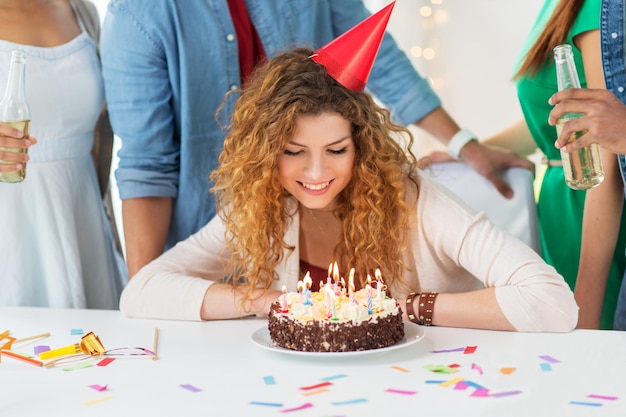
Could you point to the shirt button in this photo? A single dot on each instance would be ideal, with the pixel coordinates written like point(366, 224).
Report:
point(234, 87)
point(620, 89)
point(230, 37)
point(614, 35)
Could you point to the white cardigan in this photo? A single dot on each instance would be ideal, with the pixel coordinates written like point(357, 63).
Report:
point(452, 249)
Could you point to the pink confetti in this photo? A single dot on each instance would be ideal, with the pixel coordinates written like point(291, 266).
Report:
point(399, 391)
point(602, 397)
point(477, 368)
point(480, 392)
point(302, 407)
point(469, 349)
point(460, 385)
point(98, 387)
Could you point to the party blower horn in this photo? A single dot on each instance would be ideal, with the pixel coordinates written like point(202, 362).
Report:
point(350, 57)
point(89, 344)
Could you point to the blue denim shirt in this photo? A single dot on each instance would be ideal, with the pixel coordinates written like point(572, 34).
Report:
point(613, 54)
point(168, 63)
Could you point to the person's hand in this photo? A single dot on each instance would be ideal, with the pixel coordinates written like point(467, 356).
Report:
point(603, 121)
point(12, 138)
point(491, 161)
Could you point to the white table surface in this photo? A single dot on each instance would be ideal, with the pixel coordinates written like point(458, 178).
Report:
point(233, 373)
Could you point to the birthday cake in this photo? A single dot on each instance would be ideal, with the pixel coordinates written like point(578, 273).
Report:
point(335, 321)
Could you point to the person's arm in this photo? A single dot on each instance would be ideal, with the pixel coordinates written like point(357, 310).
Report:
point(139, 100)
point(602, 212)
point(488, 161)
point(604, 119)
point(456, 246)
point(146, 223)
point(516, 137)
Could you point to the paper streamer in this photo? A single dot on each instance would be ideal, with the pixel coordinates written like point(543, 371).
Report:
point(310, 387)
point(355, 401)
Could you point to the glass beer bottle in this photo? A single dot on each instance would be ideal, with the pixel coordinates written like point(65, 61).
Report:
point(583, 167)
point(14, 110)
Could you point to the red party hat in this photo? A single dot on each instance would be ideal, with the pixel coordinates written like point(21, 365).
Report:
point(350, 57)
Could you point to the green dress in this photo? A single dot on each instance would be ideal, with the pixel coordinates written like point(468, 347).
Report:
point(560, 209)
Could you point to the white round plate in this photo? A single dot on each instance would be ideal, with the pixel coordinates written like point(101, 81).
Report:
point(412, 334)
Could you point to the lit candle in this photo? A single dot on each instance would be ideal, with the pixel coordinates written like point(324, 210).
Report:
point(343, 286)
point(284, 306)
point(330, 269)
point(336, 279)
point(307, 289)
point(300, 287)
point(368, 288)
point(379, 285)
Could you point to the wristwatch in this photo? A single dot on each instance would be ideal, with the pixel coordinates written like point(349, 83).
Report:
point(460, 139)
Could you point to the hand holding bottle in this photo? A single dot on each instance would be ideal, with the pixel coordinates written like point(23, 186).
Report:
point(12, 138)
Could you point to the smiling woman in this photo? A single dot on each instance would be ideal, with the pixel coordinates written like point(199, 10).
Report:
point(310, 172)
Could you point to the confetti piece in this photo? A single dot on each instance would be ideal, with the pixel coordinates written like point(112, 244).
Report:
point(546, 367)
point(451, 382)
point(397, 368)
point(469, 349)
point(584, 403)
point(461, 349)
point(477, 368)
point(190, 387)
point(454, 365)
point(79, 366)
point(356, 400)
point(330, 378)
point(266, 404)
point(507, 371)
point(440, 369)
point(461, 385)
point(480, 392)
point(76, 331)
point(99, 400)
point(505, 393)
point(549, 358)
point(473, 384)
point(323, 384)
point(105, 361)
point(40, 348)
point(98, 387)
point(269, 380)
point(315, 392)
point(302, 407)
point(399, 391)
point(434, 381)
point(602, 397)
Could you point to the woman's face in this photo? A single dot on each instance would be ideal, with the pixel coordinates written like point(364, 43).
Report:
point(316, 164)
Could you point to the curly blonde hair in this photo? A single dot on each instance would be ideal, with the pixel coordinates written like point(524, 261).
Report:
point(372, 209)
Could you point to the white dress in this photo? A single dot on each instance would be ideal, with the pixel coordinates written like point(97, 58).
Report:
point(56, 246)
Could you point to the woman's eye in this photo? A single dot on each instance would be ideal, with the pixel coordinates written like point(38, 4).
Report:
point(338, 151)
point(292, 153)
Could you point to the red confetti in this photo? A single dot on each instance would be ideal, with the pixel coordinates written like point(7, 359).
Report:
point(469, 349)
point(105, 361)
point(323, 384)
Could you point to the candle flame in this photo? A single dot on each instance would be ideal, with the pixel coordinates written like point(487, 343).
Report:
point(307, 280)
point(335, 272)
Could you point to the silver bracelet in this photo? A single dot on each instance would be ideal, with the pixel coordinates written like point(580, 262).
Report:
point(460, 139)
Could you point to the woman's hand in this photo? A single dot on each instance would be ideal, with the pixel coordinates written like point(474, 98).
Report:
point(13, 147)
